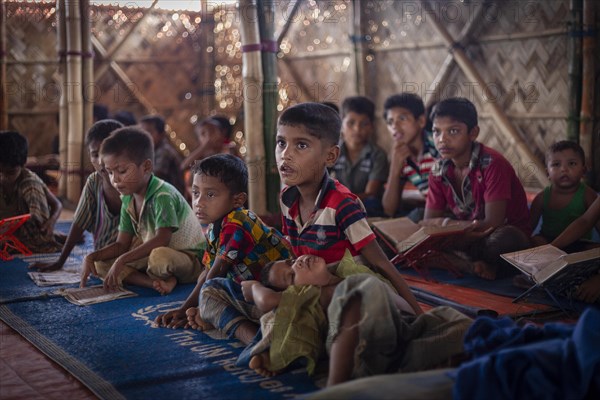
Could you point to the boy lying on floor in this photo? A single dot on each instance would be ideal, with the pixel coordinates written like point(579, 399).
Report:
point(370, 329)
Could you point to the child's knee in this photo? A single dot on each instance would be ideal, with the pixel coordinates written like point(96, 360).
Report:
point(102, 268)
point(505, 239)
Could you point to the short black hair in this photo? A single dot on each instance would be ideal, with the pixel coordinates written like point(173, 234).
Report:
point(410, 101)
point(15, 148)
point(332, 105)
point(231, 170)
point(101, 130)
point(457, 108)
point(125, 117)
point(130, 141)
point(319, 120)
point(566, 145)
point(220, 122)
point(266, 271)
point(156, 121)
point(359, 105)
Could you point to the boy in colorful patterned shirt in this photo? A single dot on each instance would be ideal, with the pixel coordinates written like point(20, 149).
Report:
point(321, 216)
point(239, 245)
point(159, 238)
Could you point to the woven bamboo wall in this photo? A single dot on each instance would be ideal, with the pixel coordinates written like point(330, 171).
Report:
point(189, 68)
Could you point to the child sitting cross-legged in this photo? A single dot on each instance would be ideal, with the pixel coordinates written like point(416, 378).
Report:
point(159, 238)
point(239, 245)
point(369, 328)
point(475, 183)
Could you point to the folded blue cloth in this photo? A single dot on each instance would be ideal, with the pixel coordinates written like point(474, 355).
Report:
point(556, 361)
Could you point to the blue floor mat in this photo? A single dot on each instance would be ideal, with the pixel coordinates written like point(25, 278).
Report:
point(114, 349)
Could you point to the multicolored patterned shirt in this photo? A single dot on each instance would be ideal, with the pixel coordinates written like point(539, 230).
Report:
point(243, 241)
point(93, 215)
point(338, 222)
point(163, 207)
point(427, 159)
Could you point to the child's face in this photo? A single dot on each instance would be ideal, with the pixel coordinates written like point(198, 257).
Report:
point(305, 270)
point(356, 130)
point(94, 151)
point(565, 168)
point(127, 177)
point(209, 136)
point(301, 157)
point(212, 200)
point(9, 175)
point(452, 138)
point(403, 126)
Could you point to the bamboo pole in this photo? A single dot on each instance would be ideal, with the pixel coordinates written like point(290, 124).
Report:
point(63, 122)
point(253, 105)
point(506, 128)
point(88, 88)
point(74, 101)
point(357, 42)
point(266, 19)
point(3, 75)
point(586, 126)
point(574, 56)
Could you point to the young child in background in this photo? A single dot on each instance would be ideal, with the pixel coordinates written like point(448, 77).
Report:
point(369, 328)
point(567, 197)
point(214, 137)
point(159, 238)
point(99, 205)
point(239, 245)
point(23, 192)
point(166, 158)
point(413, 154)
point(476, 183)
point(321, 216)
point(362, 165)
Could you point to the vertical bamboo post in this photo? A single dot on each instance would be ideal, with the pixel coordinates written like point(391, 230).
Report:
point(88, 86)
point(63, 122)
point(357, 42)
point(574, 57)
point(74, 101)
point(586, 126)
point(266, 18)
point(3, 75)
point(252, 77)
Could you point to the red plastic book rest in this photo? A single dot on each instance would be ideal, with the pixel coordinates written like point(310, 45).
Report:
point(8, 240)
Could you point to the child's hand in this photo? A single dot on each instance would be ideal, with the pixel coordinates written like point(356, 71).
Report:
point(400, 153)
point(46, 267)
point(88, 268)
point(111, 281)
point(172, 319)
point(589, 291)
point(247, 290)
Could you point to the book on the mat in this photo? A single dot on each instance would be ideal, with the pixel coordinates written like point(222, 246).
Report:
point(55, 278)
point(555, 270)
point(406, 235)
point(94, 294)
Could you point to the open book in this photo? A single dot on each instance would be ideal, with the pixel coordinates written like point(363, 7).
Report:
point(94, 294)
point(405, 235)
point(555, 270)
point(55, 278)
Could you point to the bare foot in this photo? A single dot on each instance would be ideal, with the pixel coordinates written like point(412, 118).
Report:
point(164, 286)
point(484, 270)
point(260, 364)
point(194, 320)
